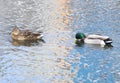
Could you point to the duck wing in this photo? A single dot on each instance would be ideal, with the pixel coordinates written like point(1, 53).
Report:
point(26, 33)
point(94, 36)
point(35, 34)
point(29, 34)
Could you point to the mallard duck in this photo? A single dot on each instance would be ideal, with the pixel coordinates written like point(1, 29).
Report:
point(18, 34)
point(93, 39)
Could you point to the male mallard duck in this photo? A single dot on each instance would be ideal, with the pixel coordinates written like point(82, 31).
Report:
point(94, 39)
point(18, 34)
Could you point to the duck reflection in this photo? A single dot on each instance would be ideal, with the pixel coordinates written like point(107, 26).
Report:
point(79, 43)
point(27, 42)
point(108, 46)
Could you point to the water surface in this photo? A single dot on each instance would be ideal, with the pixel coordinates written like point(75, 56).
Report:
point(58, 59)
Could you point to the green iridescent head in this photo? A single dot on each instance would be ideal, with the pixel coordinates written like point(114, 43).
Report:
point(80, 35)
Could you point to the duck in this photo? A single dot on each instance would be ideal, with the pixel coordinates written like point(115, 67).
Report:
point(93, 39)
point(18, 34)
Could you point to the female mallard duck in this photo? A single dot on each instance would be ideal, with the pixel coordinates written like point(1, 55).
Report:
point(94, 39)
point(18, 34)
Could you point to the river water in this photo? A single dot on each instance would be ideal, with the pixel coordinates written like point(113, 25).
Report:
point(57, 59)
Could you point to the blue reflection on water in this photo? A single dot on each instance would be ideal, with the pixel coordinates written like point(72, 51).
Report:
point(94, 65)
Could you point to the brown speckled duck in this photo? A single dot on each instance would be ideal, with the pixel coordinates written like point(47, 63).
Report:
point(18, 34)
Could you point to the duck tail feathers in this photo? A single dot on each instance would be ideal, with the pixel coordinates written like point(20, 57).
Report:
point(108, 41)
point(39, 37)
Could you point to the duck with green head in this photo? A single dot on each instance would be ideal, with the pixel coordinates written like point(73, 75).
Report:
point(93, 39)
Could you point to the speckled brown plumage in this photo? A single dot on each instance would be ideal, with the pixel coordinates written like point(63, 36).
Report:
point(18, 34)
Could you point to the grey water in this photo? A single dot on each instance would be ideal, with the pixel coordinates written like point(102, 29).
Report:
point(57, 59)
